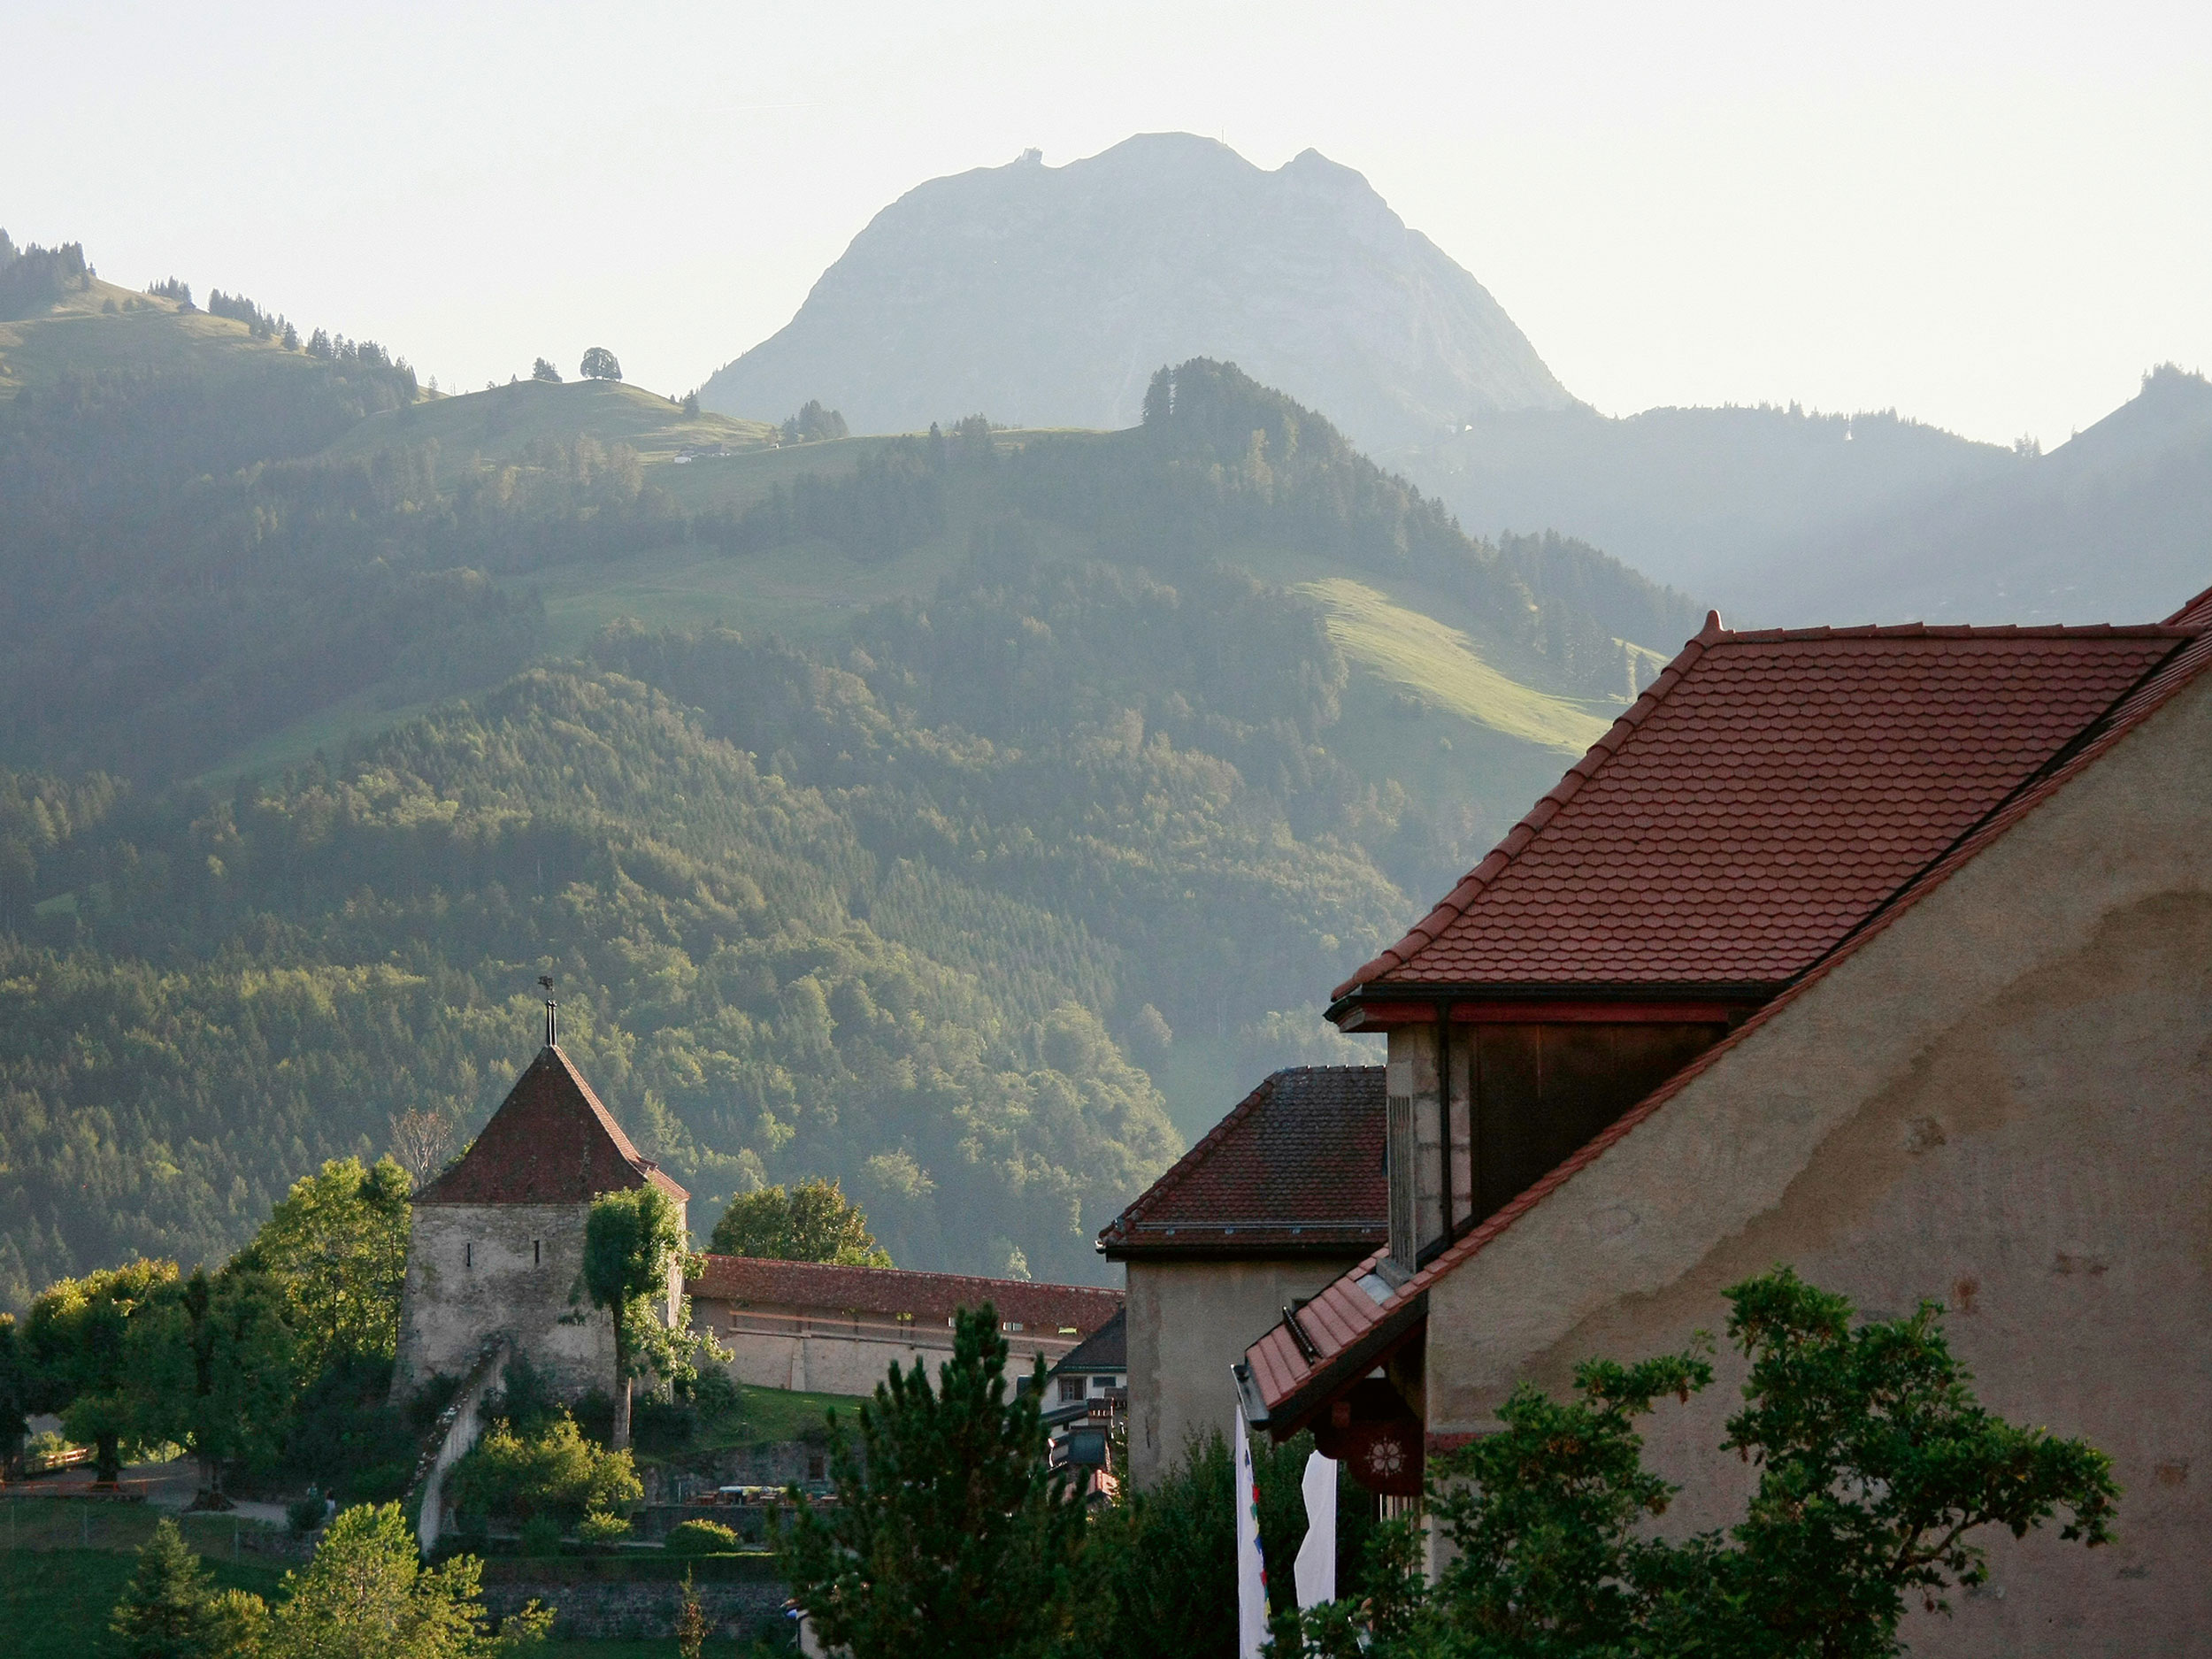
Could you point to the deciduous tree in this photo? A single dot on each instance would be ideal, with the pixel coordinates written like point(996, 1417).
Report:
point(1876, 1463)
point(338, 1245)
point(211, 1366)
point(368, 1595)
point(599, 364)
point(812, 1222)
point(631, 1240)
point(74, 1341)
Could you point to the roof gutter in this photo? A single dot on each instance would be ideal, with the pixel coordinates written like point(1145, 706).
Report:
point(1537, 996)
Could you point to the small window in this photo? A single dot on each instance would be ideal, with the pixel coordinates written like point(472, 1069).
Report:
point(537, 1256)
point(814, 1466)
point(1070, 1389)
point(468, 1255)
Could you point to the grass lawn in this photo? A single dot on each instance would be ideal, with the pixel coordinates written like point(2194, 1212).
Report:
point(53, 1603)
point(779, 1414)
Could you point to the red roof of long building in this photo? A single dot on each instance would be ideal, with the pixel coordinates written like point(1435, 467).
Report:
point(551, 1142)
point(1371, 1307)
point(1295, 1167)
point(1763, 798)
point(759, 1282)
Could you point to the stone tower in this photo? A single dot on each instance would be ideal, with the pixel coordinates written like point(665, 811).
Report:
point(496, 1246)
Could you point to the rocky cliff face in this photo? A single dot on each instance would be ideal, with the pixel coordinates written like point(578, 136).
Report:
point(1048, 296)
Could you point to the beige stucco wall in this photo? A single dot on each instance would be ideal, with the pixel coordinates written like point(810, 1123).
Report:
point(474, 1269)
point(2002, 1101)
point(824, 1351)
point(1189, 1322)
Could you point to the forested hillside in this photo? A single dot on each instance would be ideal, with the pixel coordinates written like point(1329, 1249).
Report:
point(1132, 746)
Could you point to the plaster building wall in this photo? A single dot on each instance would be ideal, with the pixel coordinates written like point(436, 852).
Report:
point(1189, 1322)
point(475, 1269)
point(829, 1351)
point(2002, 1100)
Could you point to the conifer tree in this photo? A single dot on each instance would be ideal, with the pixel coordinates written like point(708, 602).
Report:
point(950, 1535)
point(166, 1612)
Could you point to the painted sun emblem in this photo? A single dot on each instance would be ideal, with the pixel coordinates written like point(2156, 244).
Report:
point(1385, 1458)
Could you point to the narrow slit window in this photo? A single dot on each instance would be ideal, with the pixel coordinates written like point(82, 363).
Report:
point(468, 1255)
point(537, 1253)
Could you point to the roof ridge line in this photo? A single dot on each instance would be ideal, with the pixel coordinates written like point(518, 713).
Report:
point(1455, 904)
point(1180, 1169)
point(2201, 602)
point(2150, 697)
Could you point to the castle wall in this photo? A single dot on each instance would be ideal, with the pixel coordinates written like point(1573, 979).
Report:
point(836, 1351)
point(475, 1269)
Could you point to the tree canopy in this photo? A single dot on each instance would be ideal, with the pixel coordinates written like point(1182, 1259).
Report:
point(1875, 1465)
point(633, 1241)
point(599, 364)
point(337, 1244)
point(812, 1222)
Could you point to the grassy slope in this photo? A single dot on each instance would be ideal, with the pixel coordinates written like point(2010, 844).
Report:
point(74, 335)
point(1416, 653)
point(501, 422)
point(56, 1594)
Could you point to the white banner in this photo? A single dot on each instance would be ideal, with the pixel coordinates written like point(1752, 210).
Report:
point(1315, 1569)
point(1251, 1567)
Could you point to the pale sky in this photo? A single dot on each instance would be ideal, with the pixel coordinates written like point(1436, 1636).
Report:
point(1993, 217)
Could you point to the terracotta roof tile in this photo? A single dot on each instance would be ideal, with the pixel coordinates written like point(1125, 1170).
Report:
point(757, 1281)
point(1284, 1378)
point(1297, 1165)
point(551, 1142)
point(1763, 797)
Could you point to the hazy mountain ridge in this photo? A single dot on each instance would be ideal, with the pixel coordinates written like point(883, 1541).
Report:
point(1684, 495)
point(1048, 296)
point(2113, 526)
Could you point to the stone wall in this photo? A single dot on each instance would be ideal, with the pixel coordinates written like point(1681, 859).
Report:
point(475, 1271)
point(1189, 1322)
point(2001, 1102)
point(826, 1350)
point(741, 1597)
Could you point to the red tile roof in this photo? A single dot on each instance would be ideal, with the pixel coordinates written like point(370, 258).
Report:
point(551, 1142)
point(1359, 1315)
point(1295, 1167)
point(1042, 1310)
point(1766, 795)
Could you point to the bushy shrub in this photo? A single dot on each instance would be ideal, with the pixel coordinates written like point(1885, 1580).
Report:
point(305, 1514)
point(555, 1473)
point(662, 1425)
point(701, 1538)
point(599, 1527)
point(541, 1536)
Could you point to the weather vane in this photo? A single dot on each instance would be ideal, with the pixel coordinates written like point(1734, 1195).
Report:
point(546, 980)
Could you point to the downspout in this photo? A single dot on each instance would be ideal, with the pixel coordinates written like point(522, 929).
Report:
point(1444, 1114)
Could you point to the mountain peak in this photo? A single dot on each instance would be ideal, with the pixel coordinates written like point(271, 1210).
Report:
point(1048, 296)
